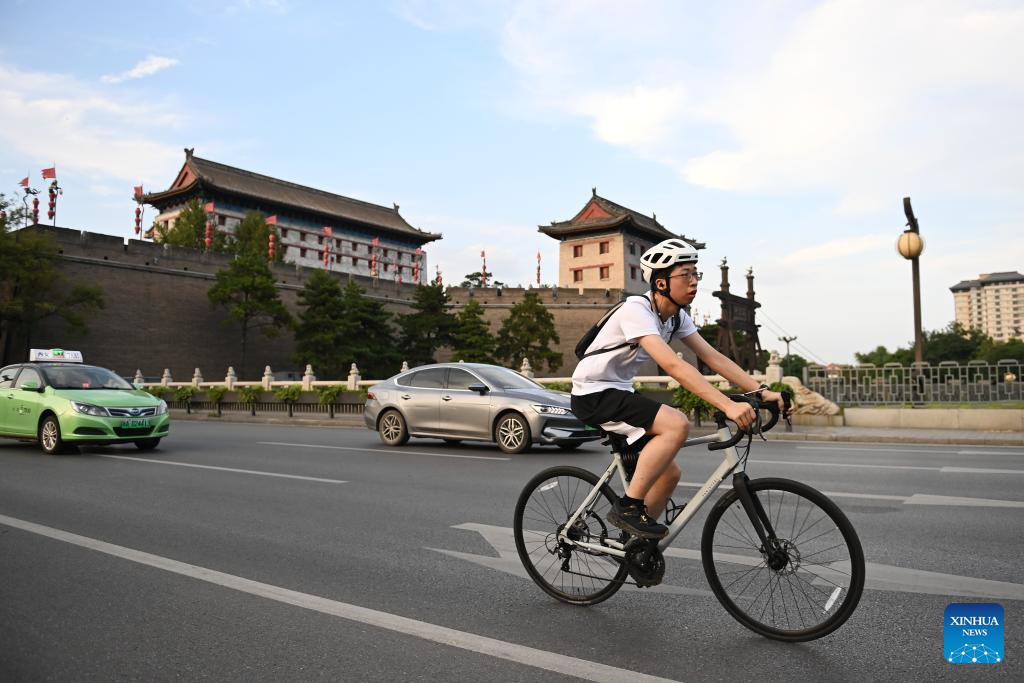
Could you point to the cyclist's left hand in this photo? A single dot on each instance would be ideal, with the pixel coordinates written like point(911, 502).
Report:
point(768, 395)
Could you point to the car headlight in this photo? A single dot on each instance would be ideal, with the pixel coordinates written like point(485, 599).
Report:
point(88, 409)
point(550, 410)
point(161, 408)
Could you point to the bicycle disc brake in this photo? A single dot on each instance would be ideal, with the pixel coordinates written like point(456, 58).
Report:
point(644, 562)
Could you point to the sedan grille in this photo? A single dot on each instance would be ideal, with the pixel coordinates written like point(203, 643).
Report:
point(132, 412)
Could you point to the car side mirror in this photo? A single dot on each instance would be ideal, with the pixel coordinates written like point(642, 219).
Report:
point(31, 386)
point(478, 388)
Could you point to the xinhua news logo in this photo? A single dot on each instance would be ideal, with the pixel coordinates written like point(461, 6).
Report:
point(973, 633)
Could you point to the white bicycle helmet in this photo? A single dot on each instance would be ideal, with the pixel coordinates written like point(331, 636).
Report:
point(665, 255)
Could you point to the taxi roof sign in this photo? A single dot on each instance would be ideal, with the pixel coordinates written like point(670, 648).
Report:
point(59, 355)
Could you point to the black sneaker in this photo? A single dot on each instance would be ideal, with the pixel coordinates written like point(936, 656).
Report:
point(634, 519)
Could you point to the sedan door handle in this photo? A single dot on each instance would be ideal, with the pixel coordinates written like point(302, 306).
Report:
point(406, 397)
point(446, 398)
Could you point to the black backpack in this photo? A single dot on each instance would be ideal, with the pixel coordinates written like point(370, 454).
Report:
point(587, 339)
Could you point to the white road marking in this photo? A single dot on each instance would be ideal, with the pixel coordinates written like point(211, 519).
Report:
point(872, 450)
point(223, 469)
point(519, 654)
point(915, 499)
point(389, 451)
point(877, 576)
point(844, 464)
point(978, 470)
point(990, 452)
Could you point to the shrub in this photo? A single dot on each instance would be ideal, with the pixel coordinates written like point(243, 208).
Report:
point(250, 395)
point(216, 394)
point(289, 393)
point(331, 393)
point(559, 386)
point(184, 394)
point(158, 390)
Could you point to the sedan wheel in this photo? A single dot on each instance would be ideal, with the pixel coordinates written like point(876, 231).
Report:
point(513, 433)
point(392, 428)
point(49, 436)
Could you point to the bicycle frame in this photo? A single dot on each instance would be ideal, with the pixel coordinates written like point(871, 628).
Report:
point(730, 465)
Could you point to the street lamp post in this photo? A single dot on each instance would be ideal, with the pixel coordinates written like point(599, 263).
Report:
point(910, 245)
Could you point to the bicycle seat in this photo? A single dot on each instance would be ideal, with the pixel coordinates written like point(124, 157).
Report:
point(621, 446)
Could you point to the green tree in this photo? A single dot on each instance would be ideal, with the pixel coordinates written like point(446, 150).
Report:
point(528, 333)
point(32, 288)
point(320, 332)
point(794, 365)
point(368, 335)
point(252, 235)
point(994, 351)
point(472, 339)
point(246, 289)
point(477, 279)
point(881, 355)
point(953, 342)
point(428, 327)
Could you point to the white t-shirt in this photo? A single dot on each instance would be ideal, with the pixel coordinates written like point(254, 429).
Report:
point(616, 369)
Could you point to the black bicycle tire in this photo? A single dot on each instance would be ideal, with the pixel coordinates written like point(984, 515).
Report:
point(856, 553)
point(614, 584)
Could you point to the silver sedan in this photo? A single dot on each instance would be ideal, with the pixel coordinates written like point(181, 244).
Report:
point(474, 402)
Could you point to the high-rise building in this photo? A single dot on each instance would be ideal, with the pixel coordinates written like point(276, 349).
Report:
point(601, 245)
point(994, 304)
point(358, 237)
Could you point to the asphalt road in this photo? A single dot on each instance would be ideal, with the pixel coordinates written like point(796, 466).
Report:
point(268, 553)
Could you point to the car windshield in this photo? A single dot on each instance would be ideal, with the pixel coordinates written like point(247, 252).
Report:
point(82, 377)
point(503, 378)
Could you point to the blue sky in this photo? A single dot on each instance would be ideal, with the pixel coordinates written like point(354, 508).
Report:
point(782, 134)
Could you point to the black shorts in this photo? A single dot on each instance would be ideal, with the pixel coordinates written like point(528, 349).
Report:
point(615, 410)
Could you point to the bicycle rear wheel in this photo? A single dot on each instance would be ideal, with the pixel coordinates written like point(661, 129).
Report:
point(567, 573)
point(804, 588)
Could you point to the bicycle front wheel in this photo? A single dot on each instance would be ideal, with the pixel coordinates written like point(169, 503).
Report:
point(564, 571)
point(804, 587)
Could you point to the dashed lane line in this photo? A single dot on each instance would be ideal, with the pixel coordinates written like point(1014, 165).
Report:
point(389, 451)
point(223, 469)
point(442, 635)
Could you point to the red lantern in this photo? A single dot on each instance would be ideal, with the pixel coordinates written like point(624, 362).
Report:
point(35, 209)
point(270, 246)
point(52, 208)
point(208, 241)
point(138, 220)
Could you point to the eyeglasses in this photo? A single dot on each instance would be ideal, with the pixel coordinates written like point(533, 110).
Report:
point(693, 275)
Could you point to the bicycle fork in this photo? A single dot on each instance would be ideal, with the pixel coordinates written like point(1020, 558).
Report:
point(775, 557)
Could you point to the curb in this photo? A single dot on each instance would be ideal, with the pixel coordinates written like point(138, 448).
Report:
point(356, 422)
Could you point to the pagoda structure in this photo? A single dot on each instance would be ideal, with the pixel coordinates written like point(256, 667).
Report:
point(602, 244)
point(738, 315)
point(359, 237)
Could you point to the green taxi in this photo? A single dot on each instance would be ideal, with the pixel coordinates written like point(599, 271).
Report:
point(58, 401)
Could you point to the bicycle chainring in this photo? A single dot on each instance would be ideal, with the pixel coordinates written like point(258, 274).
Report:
point(644, 562)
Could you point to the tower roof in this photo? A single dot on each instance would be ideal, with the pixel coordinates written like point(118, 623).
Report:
point(198, 175)
point(601, 215)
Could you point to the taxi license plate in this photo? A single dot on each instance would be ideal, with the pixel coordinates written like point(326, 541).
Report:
point(135, 422)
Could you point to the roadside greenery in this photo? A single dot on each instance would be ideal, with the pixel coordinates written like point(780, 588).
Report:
point(472, 340)
point(429, 327)
point(331, 393)
point(320, 335)
point(247, 291)
point(951, 343)
point(32, 288)
point(528, 332)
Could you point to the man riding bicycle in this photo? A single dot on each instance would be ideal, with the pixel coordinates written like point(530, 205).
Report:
point(602, 384)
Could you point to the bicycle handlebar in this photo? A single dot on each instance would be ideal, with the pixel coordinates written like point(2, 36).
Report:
point(770, 406)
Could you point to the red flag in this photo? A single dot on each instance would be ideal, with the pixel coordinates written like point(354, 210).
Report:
point(328, 231)
point(50, 173)
point(24, 182)
point(138, 193)
point(272, 220)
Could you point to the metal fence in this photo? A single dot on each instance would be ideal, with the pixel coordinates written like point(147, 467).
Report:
point(948, 382)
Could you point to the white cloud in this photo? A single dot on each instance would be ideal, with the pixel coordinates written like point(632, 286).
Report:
point(147, 67)
point(101, 137)
point(852, 97)
point(841, 248)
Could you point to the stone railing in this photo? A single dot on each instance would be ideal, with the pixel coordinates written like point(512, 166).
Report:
point(807, 401)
